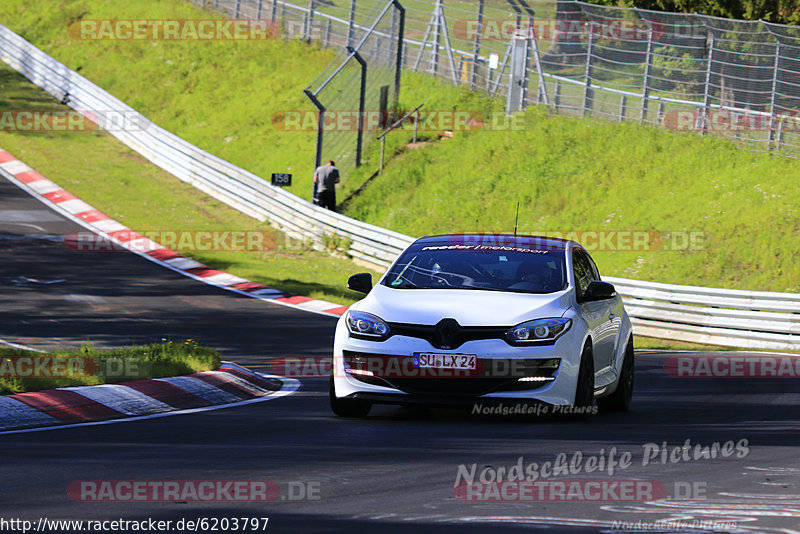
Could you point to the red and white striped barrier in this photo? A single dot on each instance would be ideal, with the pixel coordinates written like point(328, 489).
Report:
point(230, 385)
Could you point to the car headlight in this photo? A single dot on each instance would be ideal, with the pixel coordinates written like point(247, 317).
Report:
point(543, 331)
point(366, 326)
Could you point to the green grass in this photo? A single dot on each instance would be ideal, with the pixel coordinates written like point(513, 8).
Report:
point(567, 174)
point(580, 175)
point(92, 366)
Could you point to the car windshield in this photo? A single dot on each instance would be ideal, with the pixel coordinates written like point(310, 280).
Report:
point(517, 268)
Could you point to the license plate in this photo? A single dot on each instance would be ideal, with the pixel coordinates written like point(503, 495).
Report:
point(428, 360)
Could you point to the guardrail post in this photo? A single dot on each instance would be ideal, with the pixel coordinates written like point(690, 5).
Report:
point(587, 94)
point(648, 65)
point(476, 50)
point(772, 97)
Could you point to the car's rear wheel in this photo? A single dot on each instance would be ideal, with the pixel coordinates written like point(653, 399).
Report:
point(347, 407)
point(620, 400)
point(584, 389)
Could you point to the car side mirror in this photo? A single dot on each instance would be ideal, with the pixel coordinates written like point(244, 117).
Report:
point(361, 282)
point(598, 290)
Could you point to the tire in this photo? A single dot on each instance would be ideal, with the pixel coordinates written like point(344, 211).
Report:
point(620, 400)
point(347, 407)
point(584, 388)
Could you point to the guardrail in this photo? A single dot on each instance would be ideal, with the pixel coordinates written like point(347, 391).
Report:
point(747, 319)
point(729, 317)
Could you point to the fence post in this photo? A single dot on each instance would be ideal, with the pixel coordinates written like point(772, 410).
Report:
point(258, 10)
point(383, 152)
point(476, 50)
point(648, 64)
point(237, 6)
point(401, 31)
point(272, 10)
point(361, 102)
point(351, 25)
point(771, 138)
point(416, 126)
point(433, 66)
point(328, 33)
point(703, 119)
point(320, 126)
point(557, 101)
point(623, 104)
point(779, 139)
point(310, 19)
point(587, 94)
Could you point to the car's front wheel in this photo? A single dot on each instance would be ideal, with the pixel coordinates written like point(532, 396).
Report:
point(620, 400)
point(347, 407)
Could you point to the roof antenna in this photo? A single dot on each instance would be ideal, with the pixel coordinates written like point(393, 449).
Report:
point(516, 220)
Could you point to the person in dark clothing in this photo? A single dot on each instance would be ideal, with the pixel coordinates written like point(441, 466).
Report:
point(325, 179)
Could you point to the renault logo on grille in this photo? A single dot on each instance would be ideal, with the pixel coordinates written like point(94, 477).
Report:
point(447, 332)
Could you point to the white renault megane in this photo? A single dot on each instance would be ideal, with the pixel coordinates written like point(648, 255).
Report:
point(461, 319)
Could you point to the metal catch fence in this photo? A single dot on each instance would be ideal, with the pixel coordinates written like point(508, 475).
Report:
point(686, 72)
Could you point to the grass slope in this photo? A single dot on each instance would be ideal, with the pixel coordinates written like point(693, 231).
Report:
point(567, 174)
point(575, 175)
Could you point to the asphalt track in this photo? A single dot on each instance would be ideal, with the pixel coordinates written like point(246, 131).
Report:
point(393, 472)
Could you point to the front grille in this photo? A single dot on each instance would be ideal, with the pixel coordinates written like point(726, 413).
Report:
point(454, 338)
point(491, 376)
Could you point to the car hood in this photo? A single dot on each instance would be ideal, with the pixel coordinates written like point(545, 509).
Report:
point(468, 307)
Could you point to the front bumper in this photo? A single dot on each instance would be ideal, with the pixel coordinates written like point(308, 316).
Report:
point(556, 388)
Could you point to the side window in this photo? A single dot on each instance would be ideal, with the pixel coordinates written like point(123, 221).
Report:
point(595, 272)
point(582, 269)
